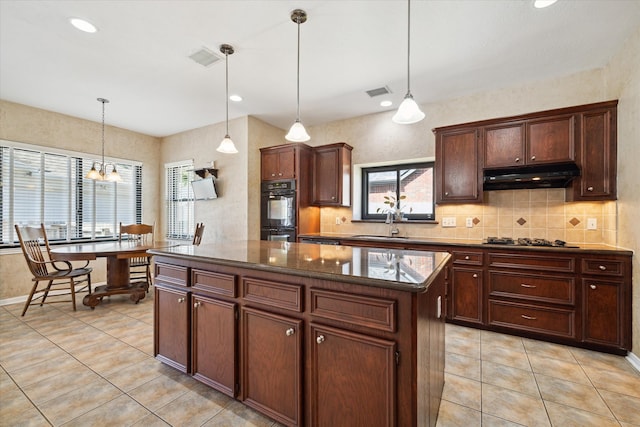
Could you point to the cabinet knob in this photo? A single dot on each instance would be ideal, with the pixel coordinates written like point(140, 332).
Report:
point(320, 339)
point(475, 275)
point(290, 332)
point(196, 304)
point(524, 316)
point(517, 159)
point(533, 157)
point(446, 193)
point(589, 188)
point(524, 285)
point(273, 174)
point(602, 267)
point(592, 286)
point(467, 257)
point(333, 197)
point(280, 174)
point(180, 300)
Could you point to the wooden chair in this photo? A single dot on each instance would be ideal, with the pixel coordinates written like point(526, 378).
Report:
point(139, 267)
point(197, 235)
point(58, 274)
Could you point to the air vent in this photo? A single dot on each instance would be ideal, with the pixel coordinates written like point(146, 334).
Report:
point(205, 57)
point(379, 91)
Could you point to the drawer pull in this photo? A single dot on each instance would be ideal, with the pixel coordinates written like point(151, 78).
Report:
point(592, 286)
point(602, 267)
point(320, 339)
point(524, 316)
point(524, 285)
point(290, 332)
point(467, 257)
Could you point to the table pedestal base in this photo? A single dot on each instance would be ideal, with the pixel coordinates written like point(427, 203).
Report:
point(137, 291)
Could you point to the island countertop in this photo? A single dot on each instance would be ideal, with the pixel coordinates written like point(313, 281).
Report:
point(407, 270)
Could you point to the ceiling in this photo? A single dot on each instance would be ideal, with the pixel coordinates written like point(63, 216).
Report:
point(139, 58)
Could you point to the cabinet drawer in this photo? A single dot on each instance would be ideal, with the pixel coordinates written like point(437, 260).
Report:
point(560, 290)
point(374, 313)
point(467, 258)
point(217, 283)
point(171, 274)
point(602, 267)
point(532, 318)
point(550, 262)
point(273, 294)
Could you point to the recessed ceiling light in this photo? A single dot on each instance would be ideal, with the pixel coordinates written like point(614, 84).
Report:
point(386, 103)
point(235, 98)
point(83, 25)
point(539, 4)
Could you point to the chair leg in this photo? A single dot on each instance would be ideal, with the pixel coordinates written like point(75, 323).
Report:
point(149, 283)
point(73, 293)
point(46, 292)
point(26, 305)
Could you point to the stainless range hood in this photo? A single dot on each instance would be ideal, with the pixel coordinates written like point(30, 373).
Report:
point(538, 176)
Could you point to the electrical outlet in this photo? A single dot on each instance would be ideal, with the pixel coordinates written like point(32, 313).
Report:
point(338, 221)
point(469, 222)
point(449, 221)
point(592, 223)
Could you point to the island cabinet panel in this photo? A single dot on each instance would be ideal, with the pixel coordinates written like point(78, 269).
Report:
point(272, 294)
point(171, 321)
point(353, 379)
point(272, 365)
point(214, 344)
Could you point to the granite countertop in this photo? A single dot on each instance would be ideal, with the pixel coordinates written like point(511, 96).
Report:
point(407, 270)
point(594, 248)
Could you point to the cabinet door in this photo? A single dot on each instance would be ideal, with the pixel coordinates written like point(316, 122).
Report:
point(214, 343)
point(504, 145)
point(171, 321)
point(287, 163)
point(597, 156)
point(602, 312)
point(272, 365)
point(457, 168)
point(466, 295)
point(269, 165)
point(353, 379)
point(551, 140)
point(332, 175)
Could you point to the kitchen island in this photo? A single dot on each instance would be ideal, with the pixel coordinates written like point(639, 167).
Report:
point(312, 335)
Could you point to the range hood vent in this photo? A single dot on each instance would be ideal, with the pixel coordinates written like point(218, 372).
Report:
point(523, 177)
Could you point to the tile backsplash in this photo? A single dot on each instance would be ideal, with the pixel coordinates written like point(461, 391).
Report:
point(540, 213)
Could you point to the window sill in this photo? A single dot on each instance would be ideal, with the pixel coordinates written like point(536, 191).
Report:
point(411, 221)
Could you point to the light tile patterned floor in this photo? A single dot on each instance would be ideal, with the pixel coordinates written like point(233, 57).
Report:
point(84, 368)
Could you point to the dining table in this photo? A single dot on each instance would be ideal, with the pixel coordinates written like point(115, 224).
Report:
point(118, 255)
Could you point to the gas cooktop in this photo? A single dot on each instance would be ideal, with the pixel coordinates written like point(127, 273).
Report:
point(526, 241)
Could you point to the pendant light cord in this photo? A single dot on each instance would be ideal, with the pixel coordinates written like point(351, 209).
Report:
point(298, 71)
point(408, 46)
point(226, 63)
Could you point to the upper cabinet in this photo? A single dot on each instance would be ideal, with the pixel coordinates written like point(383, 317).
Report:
point(278, 162)
point(457, 167)
point(332, 175)
point(596, 154)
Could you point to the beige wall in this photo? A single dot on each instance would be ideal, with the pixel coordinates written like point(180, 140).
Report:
point(25, 124)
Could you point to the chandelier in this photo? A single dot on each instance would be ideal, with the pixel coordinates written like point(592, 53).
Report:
point(101, 174)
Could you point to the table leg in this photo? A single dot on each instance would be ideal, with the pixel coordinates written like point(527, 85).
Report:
point(117, 283)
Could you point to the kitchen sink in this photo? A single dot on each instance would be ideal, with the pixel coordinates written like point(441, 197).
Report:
point(379, 236)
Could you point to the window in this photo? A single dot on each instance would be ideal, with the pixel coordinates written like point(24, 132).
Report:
point(41, 185)
point(180, 201)
point(411, 183)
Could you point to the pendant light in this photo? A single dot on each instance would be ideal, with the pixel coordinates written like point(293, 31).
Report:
point(102, 174)
point(409, 112)
point(298, 133)
point(227, 146)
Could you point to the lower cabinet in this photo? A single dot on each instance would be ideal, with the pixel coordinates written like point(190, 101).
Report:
point(213, 343)
point(345, 368)
point(602, 321)
point(466, 295)
point(171, 343)
point(272, 365)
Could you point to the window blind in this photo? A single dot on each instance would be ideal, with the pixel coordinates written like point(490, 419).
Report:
point(179, 200)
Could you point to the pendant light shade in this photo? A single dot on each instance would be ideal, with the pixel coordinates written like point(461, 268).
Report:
point(409, 112)
point(298, 133)
point(226, 145)
point(101, 174)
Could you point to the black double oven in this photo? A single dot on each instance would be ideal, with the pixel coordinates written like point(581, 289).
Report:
point(278, 211)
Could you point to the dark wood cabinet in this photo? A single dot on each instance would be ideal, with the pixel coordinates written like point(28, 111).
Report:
point(347, 367)
point(597, 155)
point(213, 337)
point(171, 319)
point(457, 167)
point(278, 163)
point(504, 145)
point(332, 175)
point(466, 288)
point(272, 365)
point(550, 140)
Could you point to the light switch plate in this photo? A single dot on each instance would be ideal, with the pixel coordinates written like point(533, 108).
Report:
point(449, 221)
point(592, 223)
point(469, 222)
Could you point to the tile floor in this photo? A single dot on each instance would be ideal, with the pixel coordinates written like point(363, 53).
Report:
point(96, 368)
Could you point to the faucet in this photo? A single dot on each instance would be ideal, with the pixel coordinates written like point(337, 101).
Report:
point(393, 230)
